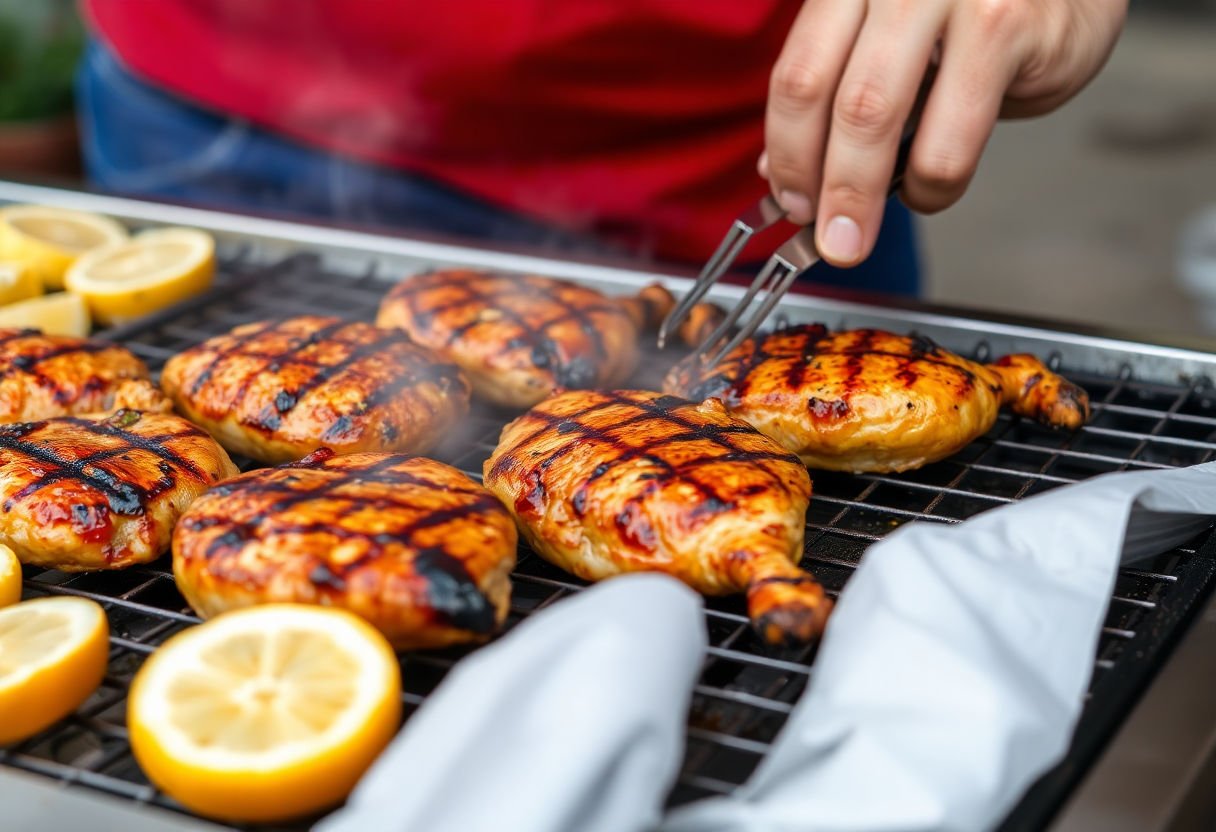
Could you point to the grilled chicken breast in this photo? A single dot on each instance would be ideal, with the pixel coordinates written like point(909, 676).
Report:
point(866, 400)
point(519, 337)
point(82, 493)
point(604, 483)
point(412, 545)
point(278, 390)
point(42, 376)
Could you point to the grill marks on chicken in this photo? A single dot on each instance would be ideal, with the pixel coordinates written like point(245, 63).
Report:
point(518, 337)
point(868, 400)
point(604, 483)
point(80, 493)
point(412, 545)
point(278, 390)
point(43, 376)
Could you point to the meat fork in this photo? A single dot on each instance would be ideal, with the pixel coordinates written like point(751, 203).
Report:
point(792, 258)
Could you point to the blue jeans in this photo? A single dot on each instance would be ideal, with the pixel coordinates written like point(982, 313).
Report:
point(140, 141)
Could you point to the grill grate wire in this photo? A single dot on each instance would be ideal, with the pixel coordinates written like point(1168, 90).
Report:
point(746, 689)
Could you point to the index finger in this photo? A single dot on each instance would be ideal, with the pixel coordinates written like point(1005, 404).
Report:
point(801, 89)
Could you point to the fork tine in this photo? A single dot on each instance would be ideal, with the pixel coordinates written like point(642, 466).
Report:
point(739, 308)
point(784, 272)
point(734, 241)
point(764, 214)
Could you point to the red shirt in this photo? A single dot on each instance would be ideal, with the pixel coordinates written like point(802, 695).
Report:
point(621, 118)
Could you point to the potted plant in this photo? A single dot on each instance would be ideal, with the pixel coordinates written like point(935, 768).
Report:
point(40, 44)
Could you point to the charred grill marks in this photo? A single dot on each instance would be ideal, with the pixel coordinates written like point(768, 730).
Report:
point(233, 347)
point(453, 594)
point(632, 524)
point(30, 364)
point(801, 346)
point(410, 367)
point(123, 498)
point(576, 371)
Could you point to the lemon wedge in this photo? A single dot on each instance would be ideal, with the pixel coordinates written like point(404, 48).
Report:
point(267, 713)
point(49, 240)
point(61, 313)
point(10, 578)
point(18, 282)
point(152, 270)
point(52, 656)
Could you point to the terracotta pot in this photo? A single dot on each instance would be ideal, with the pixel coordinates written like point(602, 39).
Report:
point(47, 147)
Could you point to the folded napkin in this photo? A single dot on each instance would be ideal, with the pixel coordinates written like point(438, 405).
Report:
point(574, 721)
point(950, 677)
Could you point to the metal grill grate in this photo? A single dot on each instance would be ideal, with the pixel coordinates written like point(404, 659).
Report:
point(746, 689)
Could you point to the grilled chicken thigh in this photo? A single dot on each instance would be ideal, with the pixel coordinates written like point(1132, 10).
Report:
point(866, 400)
point(605, 483)
point(412, 545)
point(278, 390)
point(42, 376)
point(82, 493)
point(518, 337)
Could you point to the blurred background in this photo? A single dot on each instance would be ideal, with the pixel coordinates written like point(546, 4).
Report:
point(1082, 215)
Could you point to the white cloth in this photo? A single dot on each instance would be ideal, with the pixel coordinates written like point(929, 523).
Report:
point(951, 675)
point(954, 668)
point(574, 721)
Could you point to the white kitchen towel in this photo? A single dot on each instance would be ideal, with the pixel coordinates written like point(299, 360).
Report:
point(573, 721)
point(954, 668)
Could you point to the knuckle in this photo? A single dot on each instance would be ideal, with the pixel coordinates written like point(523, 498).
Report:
point(799, 81)
point(936, 185)
point(941, 173)
point(867, 108)
point(847, 195)
point(998, 17)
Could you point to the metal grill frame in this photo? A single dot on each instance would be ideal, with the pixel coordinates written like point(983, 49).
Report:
point(1143, 418)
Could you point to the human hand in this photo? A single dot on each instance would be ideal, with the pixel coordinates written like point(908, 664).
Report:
point(845, 83)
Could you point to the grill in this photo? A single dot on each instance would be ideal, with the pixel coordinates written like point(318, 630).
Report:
point(746, 689)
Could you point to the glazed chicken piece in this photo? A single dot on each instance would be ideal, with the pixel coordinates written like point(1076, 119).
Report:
point(277, 390)
point(43, 376)
point(867, 400)
point(412, 545)
point(604, 483)
point(519, 337)
point(82, 493)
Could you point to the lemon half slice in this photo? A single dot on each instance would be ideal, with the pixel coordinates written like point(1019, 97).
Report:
point(267, 713)
point(52, 656)
point(49, 240)
point(61, 313)
point(10, 578)
point(18, 282)
point(152, 270)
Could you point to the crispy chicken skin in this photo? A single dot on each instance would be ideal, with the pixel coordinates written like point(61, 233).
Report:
point(82, 493)
point(519, 337)
point(278, 390)
point(412, 545)
point(866, 400)
point(43, 376)
point(604, 483)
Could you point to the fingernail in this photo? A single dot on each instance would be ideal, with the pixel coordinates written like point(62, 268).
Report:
point(841, 241)
point(797, 207)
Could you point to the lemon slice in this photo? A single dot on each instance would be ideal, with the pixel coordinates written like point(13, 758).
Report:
point(52, 656)
point(18, 282)
point(61, 313)
point(10, 578)
point(267, 713)
point(152, 270)
point(49, 240)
